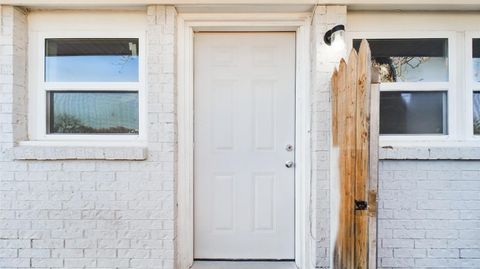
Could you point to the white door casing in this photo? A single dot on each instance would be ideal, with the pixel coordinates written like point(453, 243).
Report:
point(244, 116)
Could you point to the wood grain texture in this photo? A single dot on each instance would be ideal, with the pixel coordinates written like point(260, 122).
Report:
point(351, 103)
point(334, 98)
point(341, 127)
point(353, 135)
point(362, 154)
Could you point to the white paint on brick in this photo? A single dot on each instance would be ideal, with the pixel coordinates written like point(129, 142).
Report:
point(425, 214)
point(79, 153)
point(324, 60)
point(80, 206)
point(13, 47)
point(421, 152)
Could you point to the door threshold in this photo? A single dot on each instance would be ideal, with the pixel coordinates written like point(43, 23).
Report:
point(244, 265)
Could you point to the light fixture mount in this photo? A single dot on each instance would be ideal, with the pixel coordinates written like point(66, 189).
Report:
point(328, 35)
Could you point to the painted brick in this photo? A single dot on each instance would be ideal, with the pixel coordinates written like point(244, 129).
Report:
point(101, 253)
point(69, 207)
point(34, 253)
point(80, 263)
point(397, 262)
point(409, 253)
point(67, 253)
point(435, 205)
point(11, 253)
point(470, 253)
point(15, 263)
point(443, 253)
point(323, 62)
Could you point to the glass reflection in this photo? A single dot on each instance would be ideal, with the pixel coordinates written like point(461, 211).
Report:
point(413, 113)
point(410, 60)
point(476, 113)
point(476, 59)
point(91, 60)
point(93, 112)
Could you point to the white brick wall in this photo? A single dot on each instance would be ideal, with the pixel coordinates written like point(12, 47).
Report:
point(429, 214)
point(13, 57)
point(88, 213)
point(324, 60)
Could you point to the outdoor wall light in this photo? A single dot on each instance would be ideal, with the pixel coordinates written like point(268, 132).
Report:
point(335, 35)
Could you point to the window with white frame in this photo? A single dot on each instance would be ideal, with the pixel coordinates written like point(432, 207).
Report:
point(475, 81)
point(415, 84)
point(90, 87)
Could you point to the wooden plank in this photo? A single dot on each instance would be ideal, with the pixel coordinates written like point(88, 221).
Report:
point(361, 157)
point(334, 97)
point(339, 253)
point(349, 165)
point(373, 169)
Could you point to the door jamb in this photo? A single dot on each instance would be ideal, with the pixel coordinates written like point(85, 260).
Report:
point(187, 25)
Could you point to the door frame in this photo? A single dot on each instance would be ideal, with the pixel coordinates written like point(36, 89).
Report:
point(187, 25)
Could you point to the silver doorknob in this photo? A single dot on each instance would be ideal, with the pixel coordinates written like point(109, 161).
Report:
point(289, 164)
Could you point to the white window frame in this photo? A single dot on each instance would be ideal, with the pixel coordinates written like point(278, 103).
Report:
point(470, 83)
point(449, 86)
point(38, 87)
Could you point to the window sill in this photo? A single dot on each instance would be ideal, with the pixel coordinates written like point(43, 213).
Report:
point(429, 151)
point(30, 150)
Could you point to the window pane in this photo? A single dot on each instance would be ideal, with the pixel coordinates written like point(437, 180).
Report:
point(413, 113)
point(476, 113)
point(83, 112)
point(410, 60)
point(91, 59)
point(476, 59)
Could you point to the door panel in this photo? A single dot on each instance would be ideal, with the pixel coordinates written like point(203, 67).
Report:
point(244, 118)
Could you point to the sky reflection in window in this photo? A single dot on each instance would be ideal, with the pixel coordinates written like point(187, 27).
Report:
point(91, 60)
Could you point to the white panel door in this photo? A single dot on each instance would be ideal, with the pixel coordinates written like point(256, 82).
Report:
point(244, 118)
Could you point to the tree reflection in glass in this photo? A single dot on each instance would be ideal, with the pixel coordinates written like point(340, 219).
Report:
point(93, 112)
point(476, 113)
point(410, 60)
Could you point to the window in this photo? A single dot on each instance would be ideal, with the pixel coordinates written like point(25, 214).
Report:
point(90, 87)
point(413, 112)
point(475, 69)
point(91, 60)
point(476, 112)
point(415, 76)
point(92, 112)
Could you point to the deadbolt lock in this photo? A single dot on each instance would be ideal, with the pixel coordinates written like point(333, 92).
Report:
point(289, 147)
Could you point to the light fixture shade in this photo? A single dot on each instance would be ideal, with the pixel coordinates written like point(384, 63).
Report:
point(328, 35)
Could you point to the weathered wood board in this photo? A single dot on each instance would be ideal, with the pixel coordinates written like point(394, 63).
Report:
point(356, 138)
